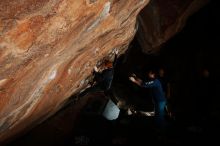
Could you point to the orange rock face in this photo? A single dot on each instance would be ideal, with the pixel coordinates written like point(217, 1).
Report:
point(48, 48)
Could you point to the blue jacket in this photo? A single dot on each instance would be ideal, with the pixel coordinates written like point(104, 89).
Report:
point(157, 89)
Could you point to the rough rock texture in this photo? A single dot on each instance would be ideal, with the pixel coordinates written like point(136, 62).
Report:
point(162, 19)
point(48, 48)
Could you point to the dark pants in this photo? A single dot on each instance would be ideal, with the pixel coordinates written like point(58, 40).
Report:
point(160, 113)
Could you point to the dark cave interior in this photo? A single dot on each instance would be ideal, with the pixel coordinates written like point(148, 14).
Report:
point(194, 101)
point(184, 57)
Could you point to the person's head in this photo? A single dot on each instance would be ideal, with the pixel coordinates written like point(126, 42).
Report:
point(161, 72)
point(108, 64)
point(151, 74)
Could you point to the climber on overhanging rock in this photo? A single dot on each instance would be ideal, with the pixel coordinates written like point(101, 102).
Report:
point(104, 75)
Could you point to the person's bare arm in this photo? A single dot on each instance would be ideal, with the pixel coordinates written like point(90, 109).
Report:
point(136, 80)
point(96, 69)
point(115, 51)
